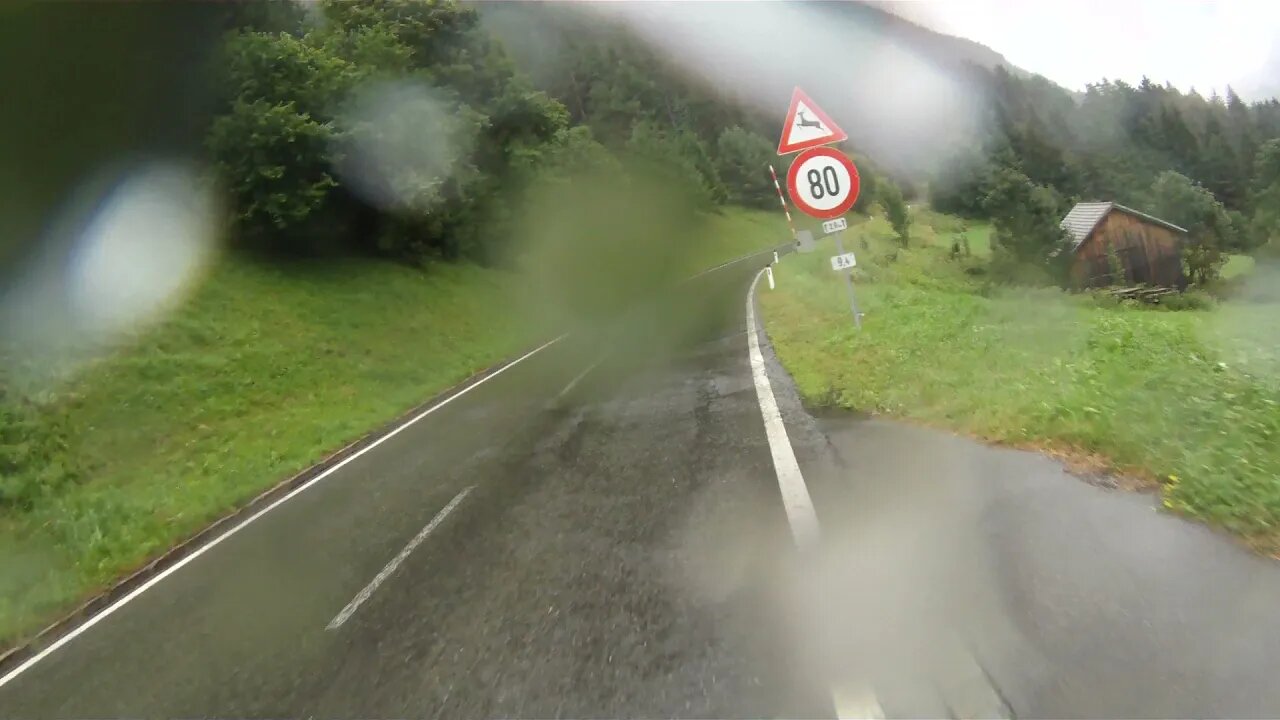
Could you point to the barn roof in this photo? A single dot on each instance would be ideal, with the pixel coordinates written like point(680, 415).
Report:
point(1084, 217)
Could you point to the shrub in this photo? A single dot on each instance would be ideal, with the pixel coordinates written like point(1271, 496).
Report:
point(895, 209)
point(1007, 267)
point(1189, 300)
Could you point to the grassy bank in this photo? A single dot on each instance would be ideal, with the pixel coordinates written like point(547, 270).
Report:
point(1189, 399)
point(263, 371)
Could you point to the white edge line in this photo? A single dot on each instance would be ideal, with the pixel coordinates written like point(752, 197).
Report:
point(83, 627)
point(775, 248)
point(795, 495)
point(390, 568)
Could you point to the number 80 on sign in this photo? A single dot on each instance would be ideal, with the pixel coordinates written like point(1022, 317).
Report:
point(823, 183)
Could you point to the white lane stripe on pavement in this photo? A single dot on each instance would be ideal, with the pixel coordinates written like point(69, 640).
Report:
point(84, 627)
point(573, 383)
point(795, 494)
point(390, 568)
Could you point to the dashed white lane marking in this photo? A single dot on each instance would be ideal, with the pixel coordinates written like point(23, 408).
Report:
point(795, 494)
point(390, 568)
point(573, 383)
point(81, 629)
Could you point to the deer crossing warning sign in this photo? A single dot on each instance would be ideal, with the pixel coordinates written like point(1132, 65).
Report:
point(807, 126)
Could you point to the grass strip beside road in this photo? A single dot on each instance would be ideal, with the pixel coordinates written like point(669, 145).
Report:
point(1186, 399)
point(265, 370)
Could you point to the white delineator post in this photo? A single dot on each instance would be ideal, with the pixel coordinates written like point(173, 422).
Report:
point(769, 272)
point(783, 201)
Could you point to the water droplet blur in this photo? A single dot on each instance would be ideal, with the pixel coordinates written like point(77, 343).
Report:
point(142, 249)
point(115, 258)
point(402, 143)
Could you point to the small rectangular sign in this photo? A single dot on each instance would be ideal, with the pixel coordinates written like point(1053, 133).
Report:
point(836, 225)
point(842, 262)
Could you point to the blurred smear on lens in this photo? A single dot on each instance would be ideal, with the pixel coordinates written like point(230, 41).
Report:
point(402, 142)
point(116, 257)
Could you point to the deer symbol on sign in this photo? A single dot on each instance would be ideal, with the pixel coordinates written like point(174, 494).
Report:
point(806, 122)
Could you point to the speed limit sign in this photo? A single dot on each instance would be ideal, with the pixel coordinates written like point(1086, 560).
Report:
point(823, 182)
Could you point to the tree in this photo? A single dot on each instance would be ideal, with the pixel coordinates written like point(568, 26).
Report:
point(895, 208)
point(401, 121)
point(1026, 218)
point(1266, 166)
point(1179, 200)
point(274, 160)
point(867, 187)
point(960, 186)
point(272, 17)
point(678, 157)
point(1041, 159)
point(1220, 170)
point(1264, 195)
point(1179, 141)
point(742, 162)
point(308, 68)
point(576, 153)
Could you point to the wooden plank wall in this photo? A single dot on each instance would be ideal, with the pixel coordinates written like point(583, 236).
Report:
point(1149, 253)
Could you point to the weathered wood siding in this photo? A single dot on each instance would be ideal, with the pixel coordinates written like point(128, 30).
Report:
point(1149, 254)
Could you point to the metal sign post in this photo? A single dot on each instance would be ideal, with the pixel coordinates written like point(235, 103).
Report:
point(845, 260)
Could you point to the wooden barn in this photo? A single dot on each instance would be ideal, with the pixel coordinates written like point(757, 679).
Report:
point(1146, 249)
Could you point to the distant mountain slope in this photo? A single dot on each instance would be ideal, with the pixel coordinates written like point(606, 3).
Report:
point(940, 47)
point(906, 95)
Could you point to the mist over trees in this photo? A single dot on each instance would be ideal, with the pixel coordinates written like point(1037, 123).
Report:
point(406, 128)
point(1207, 164)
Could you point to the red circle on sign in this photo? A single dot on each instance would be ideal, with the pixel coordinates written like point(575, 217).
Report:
point(822, 160)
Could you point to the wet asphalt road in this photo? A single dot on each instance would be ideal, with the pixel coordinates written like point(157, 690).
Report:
point(623, 552)
point(613, 559)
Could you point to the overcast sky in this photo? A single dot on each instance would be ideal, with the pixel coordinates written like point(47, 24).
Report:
point(1201, 44)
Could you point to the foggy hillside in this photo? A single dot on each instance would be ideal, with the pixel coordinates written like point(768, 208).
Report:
point(905, 94)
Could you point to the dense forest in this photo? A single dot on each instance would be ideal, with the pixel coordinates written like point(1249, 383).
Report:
point(1208, 164)
point(406, 128)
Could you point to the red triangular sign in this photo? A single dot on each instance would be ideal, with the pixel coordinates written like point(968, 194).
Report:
point(807, 126)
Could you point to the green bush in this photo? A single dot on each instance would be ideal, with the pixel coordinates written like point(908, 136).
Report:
point(895, 209)
point(1006, 267)
point(1189, 300)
